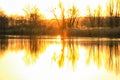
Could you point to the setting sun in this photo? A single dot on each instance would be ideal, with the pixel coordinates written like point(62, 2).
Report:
point(45, 6)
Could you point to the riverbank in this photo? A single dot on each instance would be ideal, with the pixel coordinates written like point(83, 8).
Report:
point(37, 31)
point(102, 32)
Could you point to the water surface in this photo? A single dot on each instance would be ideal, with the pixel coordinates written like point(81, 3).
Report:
point(56, 58)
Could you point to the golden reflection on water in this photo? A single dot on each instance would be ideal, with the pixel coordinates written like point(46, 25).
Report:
point(59, 59)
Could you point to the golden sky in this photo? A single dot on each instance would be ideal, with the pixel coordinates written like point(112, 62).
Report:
point(16, 6)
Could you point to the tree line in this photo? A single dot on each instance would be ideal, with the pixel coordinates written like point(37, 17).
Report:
point(68, 18)
point(97, 19)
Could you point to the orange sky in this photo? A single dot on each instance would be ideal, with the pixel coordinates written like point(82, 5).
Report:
point(16, 6)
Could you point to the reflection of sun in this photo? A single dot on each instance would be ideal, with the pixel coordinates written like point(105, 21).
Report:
point(58, 38)
point(53, 49)
point(82, 50)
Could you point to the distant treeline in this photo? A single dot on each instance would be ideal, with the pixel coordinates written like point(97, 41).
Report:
point(33, 22)
point(7, 22)
point(100, 22)
point(23, 26)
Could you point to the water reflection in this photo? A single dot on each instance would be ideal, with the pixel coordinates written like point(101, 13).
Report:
point(3, 44)
point(105, 54)
point(113, 57)
point(70, 53)
point(33, 51)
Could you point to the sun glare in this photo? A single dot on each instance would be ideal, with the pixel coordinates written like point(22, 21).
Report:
point(45, 6)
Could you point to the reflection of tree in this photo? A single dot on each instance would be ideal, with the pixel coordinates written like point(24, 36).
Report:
point(69, 52)
point(101, 53)
point(61, 59)
point(95, 49)
point(113, 58)
point(35, 48)
point(73, 52)
point(3, 44)
point(62, 55)
point(105, 54)
point(33, 45)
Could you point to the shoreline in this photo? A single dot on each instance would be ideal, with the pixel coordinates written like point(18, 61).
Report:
point(95, 33)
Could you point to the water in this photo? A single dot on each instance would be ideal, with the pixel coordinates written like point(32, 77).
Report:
point(56, 58)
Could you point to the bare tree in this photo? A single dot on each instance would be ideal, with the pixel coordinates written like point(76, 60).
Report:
point(110, 7)
point(3, 20)
point(117, 3)
point(91, 16)
point(62, 9)
point(110, 10)
point(60, 19)
point(117, 13)
point(73, 17)
point(33, 16)
point(56, 17)
point(98, 16)
point(68, 18)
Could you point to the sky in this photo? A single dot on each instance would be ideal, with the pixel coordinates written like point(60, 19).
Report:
point(45, 6)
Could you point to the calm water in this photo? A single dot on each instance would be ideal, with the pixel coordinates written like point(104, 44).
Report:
point(53, 58)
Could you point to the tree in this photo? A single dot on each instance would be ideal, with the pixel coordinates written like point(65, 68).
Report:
point(61, 21)
point(98, 16)
point(62, 9)
point(117, 13)
point(110, 10)
point(73, 17)
point(113, 9)
point(117, 6)
point(33, 16)
point(3, 20)
point(16, 20)
point(68, 18)
point(91, 17)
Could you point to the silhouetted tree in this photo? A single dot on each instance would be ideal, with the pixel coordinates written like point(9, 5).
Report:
point(91, 17)
point(117, 13)
point(33, 16)
point(110, 10)
point(16, 20)
point(73, 17)
point(67, 18)
point(98, 16)
point(62, 9)
point(61, 20)
point(3, 20)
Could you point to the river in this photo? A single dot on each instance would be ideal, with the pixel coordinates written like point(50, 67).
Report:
point(56, 58)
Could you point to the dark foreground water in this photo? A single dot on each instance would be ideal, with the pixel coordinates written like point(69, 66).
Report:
point(53, 58)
